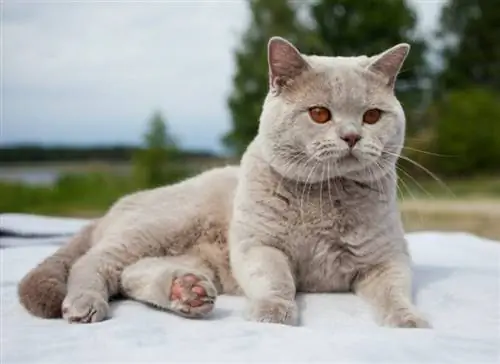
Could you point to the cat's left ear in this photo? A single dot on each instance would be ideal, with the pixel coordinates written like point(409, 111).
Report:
point(389, 63)
point(285, 63)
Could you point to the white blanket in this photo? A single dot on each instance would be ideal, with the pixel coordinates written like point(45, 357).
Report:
point(457, 285)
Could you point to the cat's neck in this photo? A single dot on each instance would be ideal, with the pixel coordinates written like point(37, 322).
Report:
point(338, 188)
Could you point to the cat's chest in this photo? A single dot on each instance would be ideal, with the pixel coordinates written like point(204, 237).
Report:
point(326, 267)
point(327, 237)
point(321, 217)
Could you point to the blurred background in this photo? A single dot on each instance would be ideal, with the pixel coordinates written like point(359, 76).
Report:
point(100, 99)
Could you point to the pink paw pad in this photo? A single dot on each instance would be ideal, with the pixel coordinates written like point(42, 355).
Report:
point(192, 295)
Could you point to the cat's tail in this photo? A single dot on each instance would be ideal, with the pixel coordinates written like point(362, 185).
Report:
point(43, 289)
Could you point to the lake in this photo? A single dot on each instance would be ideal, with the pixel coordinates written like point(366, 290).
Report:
point(48, 174)
point(29, 175)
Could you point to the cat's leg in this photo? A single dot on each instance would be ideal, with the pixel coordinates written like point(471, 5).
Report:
point(182, 284)
point(92, 280)
point(266, 278)
point(387, 287)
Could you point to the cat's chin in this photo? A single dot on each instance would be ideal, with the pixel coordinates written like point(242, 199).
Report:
point(348, 166)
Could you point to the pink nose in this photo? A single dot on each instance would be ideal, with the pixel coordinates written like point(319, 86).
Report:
point(351, 139)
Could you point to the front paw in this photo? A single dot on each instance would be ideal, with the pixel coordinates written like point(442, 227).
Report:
point(406, 319)
point(84, 307)
point(273, 310)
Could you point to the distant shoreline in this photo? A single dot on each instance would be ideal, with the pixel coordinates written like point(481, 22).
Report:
point(22, 154)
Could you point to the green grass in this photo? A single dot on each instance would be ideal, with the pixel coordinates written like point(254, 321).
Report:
point(85, 195)
point(470, 188)
point(87, 189)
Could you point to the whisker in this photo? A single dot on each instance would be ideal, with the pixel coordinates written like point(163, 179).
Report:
point(402, 170)
point(321, 192)
point(436, 178)
point(378, 182)
point(329, 185)
point(420, 150)
point(304, 188)
point(408, 191)
point(429, 153)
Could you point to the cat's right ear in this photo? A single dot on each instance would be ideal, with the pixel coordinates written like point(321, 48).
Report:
point(285, 63)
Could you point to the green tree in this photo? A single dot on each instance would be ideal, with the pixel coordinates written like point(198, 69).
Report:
point(155, 161)
point(467, 131)
point(250, 82)
point(470, 32)
point(355, 27)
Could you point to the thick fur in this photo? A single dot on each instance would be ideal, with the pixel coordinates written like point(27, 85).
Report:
point(302, 212)
point(43, 289)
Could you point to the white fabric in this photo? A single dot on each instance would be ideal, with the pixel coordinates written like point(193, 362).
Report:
point(41, 225)
point(457, 285)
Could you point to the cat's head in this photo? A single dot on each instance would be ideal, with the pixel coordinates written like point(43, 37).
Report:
point(332, 116)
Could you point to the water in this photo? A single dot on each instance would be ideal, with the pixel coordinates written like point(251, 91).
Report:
point(48, 174)
point(27, 175)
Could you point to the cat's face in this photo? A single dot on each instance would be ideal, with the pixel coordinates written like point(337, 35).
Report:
point(332, 116)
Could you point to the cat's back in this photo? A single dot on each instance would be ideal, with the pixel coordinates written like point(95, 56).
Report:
point(208, 194)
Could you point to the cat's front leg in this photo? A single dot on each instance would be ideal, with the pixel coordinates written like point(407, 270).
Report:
point(93, 279)
point(265, 276)
point(387, 287)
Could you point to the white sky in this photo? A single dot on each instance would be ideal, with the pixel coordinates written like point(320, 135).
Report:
point(92, 72)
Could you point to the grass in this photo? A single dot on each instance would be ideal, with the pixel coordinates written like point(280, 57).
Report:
point(479, 217)
point(72, 195)
point(468, 205)
point(484, 187)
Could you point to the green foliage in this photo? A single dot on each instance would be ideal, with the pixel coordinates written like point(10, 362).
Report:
point(470, 30)
point(463, 122)
point(157, 164)
point(468, 130)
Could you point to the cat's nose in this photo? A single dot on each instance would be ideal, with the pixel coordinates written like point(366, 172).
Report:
point(351, 139)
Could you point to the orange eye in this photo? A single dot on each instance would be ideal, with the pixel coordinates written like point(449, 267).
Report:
point(320, 114)
point(372, 116)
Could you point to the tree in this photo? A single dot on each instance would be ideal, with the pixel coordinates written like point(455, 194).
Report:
point(467, 131)
point(250, 82)
point(357, 27)
point(153, 163)
point(158, 136)
point(470, 32)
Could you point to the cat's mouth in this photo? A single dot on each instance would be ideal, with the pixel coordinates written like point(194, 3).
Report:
point(353, 160)
point(338, 157)
point(333, 154)
point(344, 161)
point(348, 158)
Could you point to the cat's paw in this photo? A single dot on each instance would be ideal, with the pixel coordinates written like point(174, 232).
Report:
point(273, 310)
point(84, 307)
point(192, 295)
point(406, 319)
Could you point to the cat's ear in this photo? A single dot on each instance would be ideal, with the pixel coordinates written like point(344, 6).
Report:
point(285, 63)
point(389, 63)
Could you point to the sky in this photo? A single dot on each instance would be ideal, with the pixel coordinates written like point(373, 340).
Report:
point(93, 72)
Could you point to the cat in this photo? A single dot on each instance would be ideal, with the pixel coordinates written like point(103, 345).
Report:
point(312, 207)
